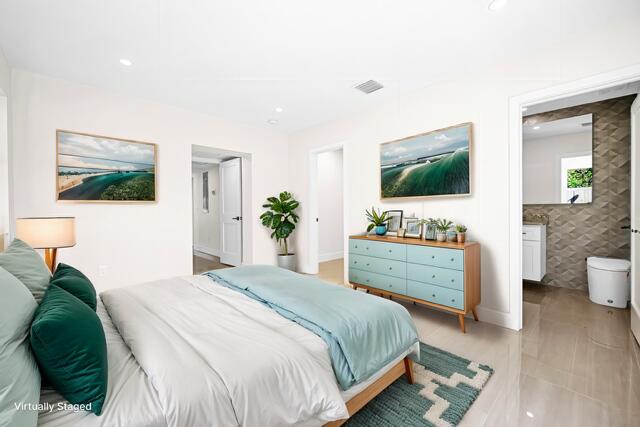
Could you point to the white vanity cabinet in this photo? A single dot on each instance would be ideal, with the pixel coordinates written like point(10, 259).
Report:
point(534, 251)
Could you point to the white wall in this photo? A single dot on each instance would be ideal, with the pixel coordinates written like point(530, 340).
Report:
point(330, 206)
point(5, 199)
point(541, 164)
point(137, 242)
point(481, 98)
point(206, 225)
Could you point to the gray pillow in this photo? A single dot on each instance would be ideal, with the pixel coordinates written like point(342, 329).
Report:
point(19, 376)
point(29, 267)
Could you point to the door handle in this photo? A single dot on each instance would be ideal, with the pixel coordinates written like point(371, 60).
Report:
point(237, 218)
point(625, 227)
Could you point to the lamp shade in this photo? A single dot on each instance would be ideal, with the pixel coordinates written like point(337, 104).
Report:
point(44, 233)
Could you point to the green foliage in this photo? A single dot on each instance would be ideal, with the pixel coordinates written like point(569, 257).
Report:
point(580, 178)
point(449, 175)
point(461, 228)
point(376, 218)
point(281, 218)
point(139, 188)
point(443, 225)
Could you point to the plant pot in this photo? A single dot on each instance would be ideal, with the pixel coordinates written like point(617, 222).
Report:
point(451, 236)
point(287, 262)
point(381, 230)
point(441, 237)
point(462, 237)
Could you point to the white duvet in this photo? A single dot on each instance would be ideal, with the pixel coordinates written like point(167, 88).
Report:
point(185, 334)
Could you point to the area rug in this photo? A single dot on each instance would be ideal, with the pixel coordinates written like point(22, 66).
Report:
point(445, 386)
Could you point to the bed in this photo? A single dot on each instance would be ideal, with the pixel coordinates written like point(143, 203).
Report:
point(232, 361)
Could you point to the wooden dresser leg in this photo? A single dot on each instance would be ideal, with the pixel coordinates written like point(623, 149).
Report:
point(408, 367)
point(475, 315)
point(461, 320)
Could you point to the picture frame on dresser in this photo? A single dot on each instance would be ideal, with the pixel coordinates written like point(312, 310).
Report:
point(413, 228)
point(395, 221)
point(443, 275)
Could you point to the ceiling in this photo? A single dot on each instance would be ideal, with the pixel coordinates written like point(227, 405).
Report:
point(241, 59)
point(576, 124)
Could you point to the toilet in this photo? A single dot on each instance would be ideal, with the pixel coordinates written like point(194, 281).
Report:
point(609, 281)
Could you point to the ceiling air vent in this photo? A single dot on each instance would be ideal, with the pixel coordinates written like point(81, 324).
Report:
point(369, 86)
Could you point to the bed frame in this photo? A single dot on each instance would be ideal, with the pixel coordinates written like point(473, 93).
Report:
point(357, 402)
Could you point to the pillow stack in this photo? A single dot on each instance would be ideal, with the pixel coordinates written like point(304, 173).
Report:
point(66, 335)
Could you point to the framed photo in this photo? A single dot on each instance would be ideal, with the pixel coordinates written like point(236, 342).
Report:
point(430, 231)
point(395, 221)
point(92, 168)
point(413, 228)
point(430, 164)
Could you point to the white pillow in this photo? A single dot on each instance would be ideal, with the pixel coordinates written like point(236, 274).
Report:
point(19, 376)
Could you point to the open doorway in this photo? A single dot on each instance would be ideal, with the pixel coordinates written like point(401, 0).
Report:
point(219, 195)
point(327, 214)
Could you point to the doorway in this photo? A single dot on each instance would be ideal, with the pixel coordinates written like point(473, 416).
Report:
point(327, 214)
point(219, 198)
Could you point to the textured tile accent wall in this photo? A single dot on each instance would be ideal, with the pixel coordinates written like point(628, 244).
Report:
point(575, 232)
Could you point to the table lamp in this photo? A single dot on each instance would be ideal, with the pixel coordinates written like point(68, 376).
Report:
point(47, 233)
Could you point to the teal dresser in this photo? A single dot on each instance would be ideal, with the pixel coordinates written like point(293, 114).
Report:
point(437, 274)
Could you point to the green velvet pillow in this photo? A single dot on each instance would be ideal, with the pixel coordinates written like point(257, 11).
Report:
point(19, 376)
point(29, 267)
point(69, 344)
point(76, 283)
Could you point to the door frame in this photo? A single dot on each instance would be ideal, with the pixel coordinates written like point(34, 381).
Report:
point(606, 80)
point(312, 213)
point(247, 194)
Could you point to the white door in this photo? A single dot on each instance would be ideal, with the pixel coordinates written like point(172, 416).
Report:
point(231, 212)
point(635, 218)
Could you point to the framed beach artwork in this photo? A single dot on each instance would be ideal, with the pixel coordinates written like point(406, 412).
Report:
point(92, 168)
point(435, 163)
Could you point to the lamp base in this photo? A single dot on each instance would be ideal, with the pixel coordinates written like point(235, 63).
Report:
point(50, 258)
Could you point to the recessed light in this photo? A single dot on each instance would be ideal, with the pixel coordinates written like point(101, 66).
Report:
point(272, 121)
point(536, 127)
point(279, 110)
point(126, 62)
point(497, 4)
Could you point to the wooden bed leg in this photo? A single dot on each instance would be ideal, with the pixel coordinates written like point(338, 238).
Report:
point(475, 315)
point(461, 320)
point(408, 367)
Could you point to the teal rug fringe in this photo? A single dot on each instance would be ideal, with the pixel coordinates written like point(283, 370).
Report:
point(403, 404)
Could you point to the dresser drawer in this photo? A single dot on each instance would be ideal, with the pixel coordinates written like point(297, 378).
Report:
point(387, 267)
point(445, 277)
point(394, 251)
point(380, 281)
point(437, 257)
point(436, 294)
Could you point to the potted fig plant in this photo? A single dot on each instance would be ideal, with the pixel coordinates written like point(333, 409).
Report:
point(442, 226)
point(281, 218)
point(377, 220)
point(461, 231)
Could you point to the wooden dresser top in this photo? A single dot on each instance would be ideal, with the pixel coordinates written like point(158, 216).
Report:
point(410, 241)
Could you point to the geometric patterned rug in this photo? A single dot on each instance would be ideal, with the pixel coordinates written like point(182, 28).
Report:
point(445, 386)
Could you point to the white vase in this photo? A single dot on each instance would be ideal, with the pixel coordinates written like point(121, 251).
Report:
point(441, 237)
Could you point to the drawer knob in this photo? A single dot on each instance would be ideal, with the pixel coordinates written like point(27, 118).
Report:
point(390, 251)
point(356, 246)
point(367, 248)
point(451, 259)
point(391, 286)
point(453, 300)
point(433, 277)
point(367, 280)
point(433, 256)
point(390, 268)
point(452, 280)
point(355, 262)
point(433, 295)
point(367, 264)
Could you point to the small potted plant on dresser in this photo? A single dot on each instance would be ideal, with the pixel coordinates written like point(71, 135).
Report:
point(378, 221)
point(461, 231)
point(442, 226)
point(282, 219)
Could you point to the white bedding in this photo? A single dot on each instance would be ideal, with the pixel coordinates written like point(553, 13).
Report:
point(282, 375)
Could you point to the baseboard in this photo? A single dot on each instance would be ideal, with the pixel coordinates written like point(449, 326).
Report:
point(496, 317)
point(330, 256)
point(205, 252)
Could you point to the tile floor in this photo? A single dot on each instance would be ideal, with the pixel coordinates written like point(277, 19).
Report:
point(200, 264)
point(575, 363)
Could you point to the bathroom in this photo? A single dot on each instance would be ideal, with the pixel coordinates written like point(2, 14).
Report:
point(577, 164)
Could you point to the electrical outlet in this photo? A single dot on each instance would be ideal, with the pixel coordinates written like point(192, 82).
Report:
point(103, 270)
